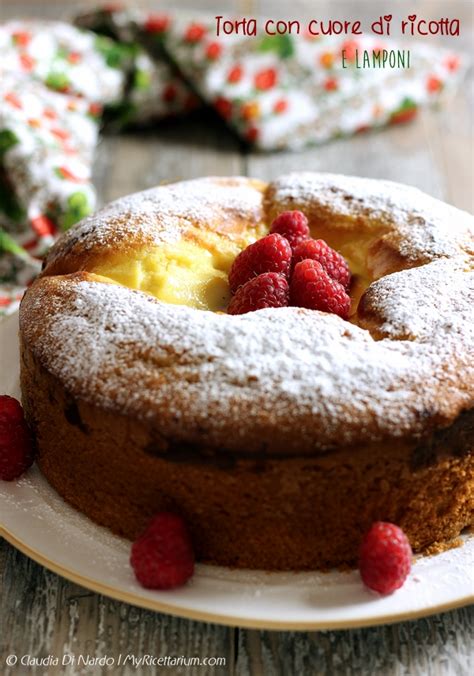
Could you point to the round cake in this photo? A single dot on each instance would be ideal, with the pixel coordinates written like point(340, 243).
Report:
point(279, 435)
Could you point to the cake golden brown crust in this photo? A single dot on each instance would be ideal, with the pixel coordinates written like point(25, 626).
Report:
point(282, 434)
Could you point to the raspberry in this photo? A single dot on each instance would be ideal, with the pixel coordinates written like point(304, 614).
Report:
point(163, 557)
point(16, 445)
point(293, 225)
point(332, 261)
point(269, 254)
point(313, 288)
point(269, 289)
point(385, 558)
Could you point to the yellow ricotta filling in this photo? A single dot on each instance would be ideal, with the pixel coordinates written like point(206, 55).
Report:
point(192, 271)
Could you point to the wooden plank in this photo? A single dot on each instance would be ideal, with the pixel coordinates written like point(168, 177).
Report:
point(439, 645)
point(395, 154)
point(449, 130)
point(41, 614)
point(172, 151)
point(449, 136)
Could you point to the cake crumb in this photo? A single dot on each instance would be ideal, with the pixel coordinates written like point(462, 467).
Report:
point(440, 547)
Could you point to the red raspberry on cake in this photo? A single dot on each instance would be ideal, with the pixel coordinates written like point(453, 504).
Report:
point(385, 558)
point(162, 557)
point(269, 289)
point(293, 225)
point(269, 254)
point(311, 287)
point(318, 250)
point(16, 444)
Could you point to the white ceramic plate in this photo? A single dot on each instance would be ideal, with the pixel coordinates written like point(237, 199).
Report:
point(39, 523)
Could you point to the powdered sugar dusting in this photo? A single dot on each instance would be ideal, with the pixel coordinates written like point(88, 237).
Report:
point(420, 226)
point(261, 371)
point(160, 215)
point(249, 382)
point(420, 301)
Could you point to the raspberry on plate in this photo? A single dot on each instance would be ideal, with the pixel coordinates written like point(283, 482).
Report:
point(293, 225)
point(318, 250)
point(269, 289)
point(269, 254)
point(385, 558)
point(312, 287)
point(162, 557)
point(16, 445)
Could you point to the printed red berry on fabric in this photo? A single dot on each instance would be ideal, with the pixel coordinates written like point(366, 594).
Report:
point(213, 51)
point(13, 100)
point(21, 38)
point(16, 444)
point(266, 79)
point(27, 62)
point(157, 23)
point(293, 225)
point(311, 287)
point(318, 250)
point(162, 557)
point(269, 254)
point(223, 107)
point(74, 57)
point(331, 84)
point(252, 134)
point(349, 49)
point(269, 289)
point(235, 74)
point(280, 106)
point(170, 93)
point(195, 32)
point(66, 174)
point(385, 558)
point(453, 62)
point(434, 84)
point(43, 226)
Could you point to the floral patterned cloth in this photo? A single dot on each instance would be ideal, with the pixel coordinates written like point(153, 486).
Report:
point(282, 92)
point(64, 58)
point(156, 89)
point(275, 92)
point(54, 82)
point(47, 142)
point(289, 91)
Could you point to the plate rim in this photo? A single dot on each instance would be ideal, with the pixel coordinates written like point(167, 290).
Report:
point(114, 591)
point(216, 618)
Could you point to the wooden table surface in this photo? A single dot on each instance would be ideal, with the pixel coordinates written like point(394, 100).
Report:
point(43, 614)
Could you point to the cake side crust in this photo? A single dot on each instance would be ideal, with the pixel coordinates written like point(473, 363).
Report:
point(294, 513)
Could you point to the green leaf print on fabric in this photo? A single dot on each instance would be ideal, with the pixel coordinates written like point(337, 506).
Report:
point(8, 245)
point(114, 53)
point(141, 80)
point(62, 53)
point(7, 140)
point(9, 204)
point(78, 207)
point(405, 112)
point(58, 81)
point(120, 114)
point(281, 44)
